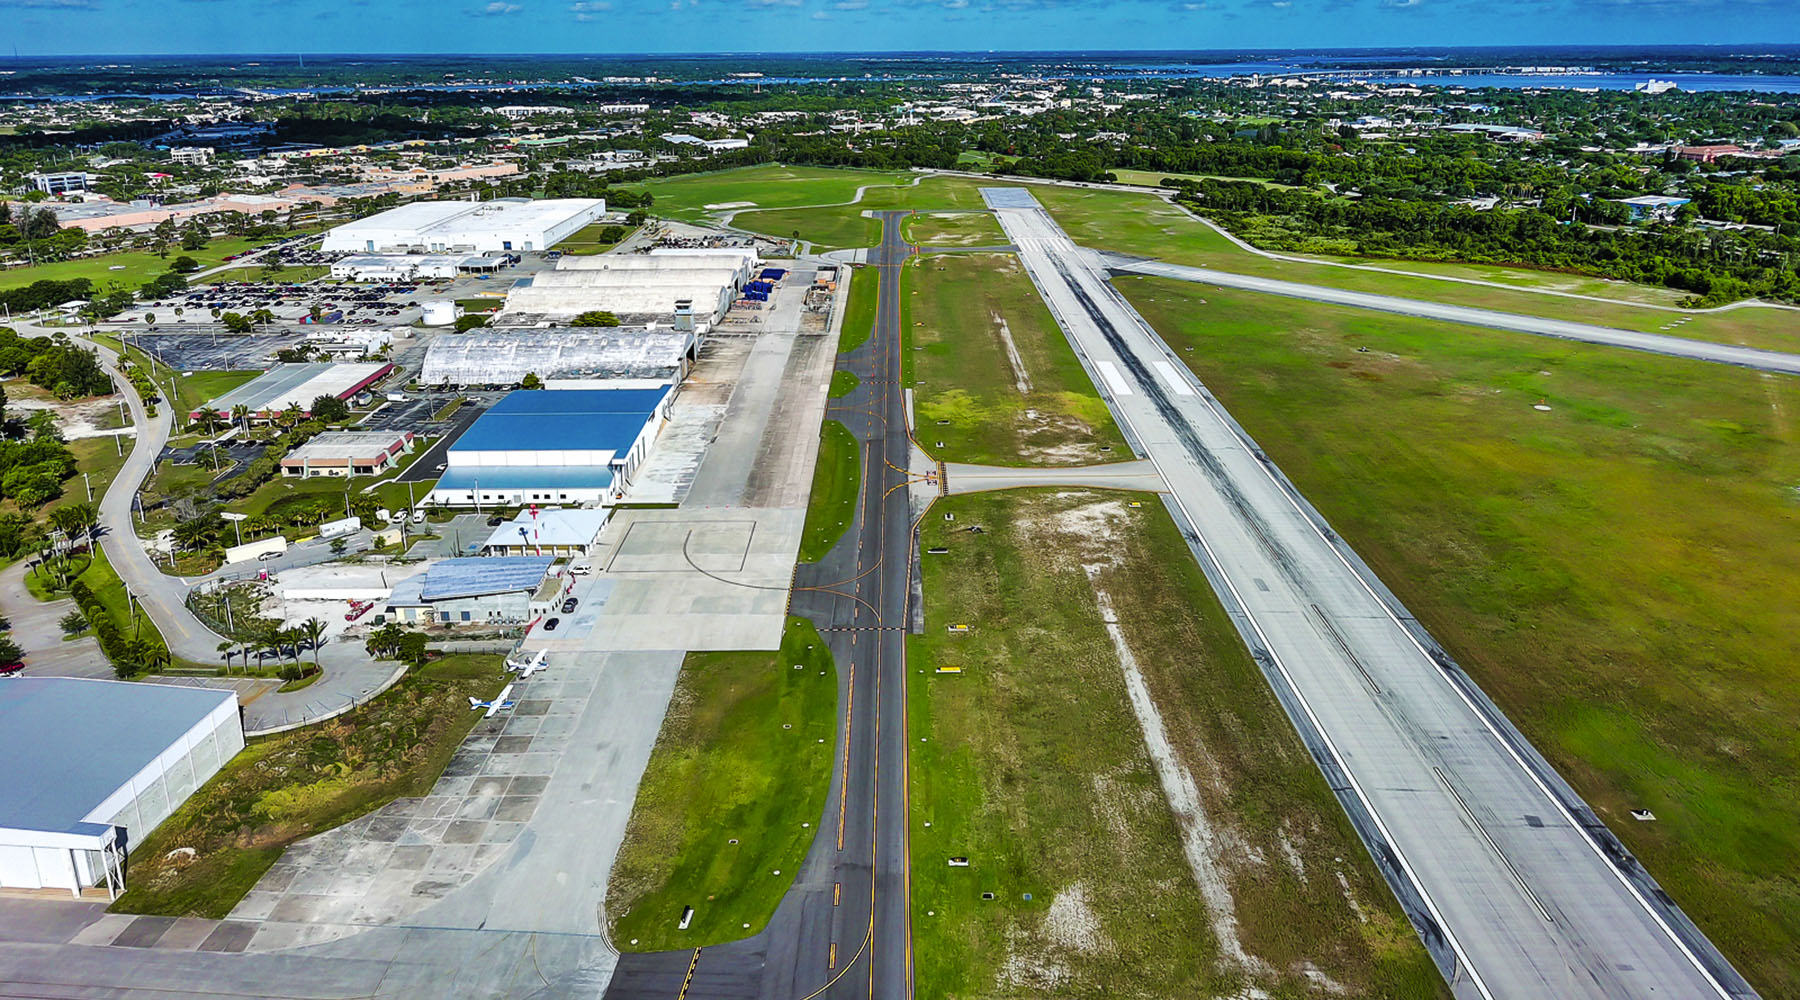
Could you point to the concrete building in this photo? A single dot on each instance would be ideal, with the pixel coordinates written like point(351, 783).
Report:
point(504, 225)
point(552, 532)
point(476, 591)
point(1707, 154)
point(743, 263)
point(622, 357)
point(60, 182)
point(566, 446)
point(289, 384)
point(412, 267)
point(93, 766)
point(347, 453)
point(193, 156)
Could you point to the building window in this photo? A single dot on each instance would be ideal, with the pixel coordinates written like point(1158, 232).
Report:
point(465, 616)
point(446, 617)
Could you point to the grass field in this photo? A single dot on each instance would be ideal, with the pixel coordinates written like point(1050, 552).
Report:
point(1154, 178)
point(687, 196)
point(1031, 764)
point(844, 225)
point(731, 797)
point(1615, 572)
point(859, 311)
point(586, 241)
point(192, 389)
point(135, 266)
point(286, 787)
point(961, 229)
point(1145, 224)
point(843, 383)
point(994, 378)
point(837, 479)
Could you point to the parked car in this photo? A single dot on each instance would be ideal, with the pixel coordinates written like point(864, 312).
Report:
point(550, 625)
point(12, 669)
point(569, 606)
point(496, 521)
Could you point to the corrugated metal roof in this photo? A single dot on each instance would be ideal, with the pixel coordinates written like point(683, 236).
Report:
point(69, 742)
point(476, 577)
point(563, 420)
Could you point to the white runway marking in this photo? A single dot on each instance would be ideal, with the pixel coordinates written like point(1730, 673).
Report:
point(1115, 381)
point(1177, 384)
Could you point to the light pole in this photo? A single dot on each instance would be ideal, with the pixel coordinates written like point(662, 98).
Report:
point(90, 486)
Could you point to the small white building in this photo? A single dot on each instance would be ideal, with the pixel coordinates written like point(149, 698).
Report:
point(550, 532)
point(504, 225)
point(93, 766)
point(193, 156)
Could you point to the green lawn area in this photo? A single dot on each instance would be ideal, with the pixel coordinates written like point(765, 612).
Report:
point(290, 275)
point(108, 589)
point(837, 480)
point(98, 457)
point(843, 383)
point(845, 226)
point(960, 229)
point(859, 310)
point(1616, 572)
point(1030, 763)
point(731, 798)
point(481, 304)
point(136, 266)
point(994, 378)
point(587, 242)
point(292, 785)
point(1154, 178)
point(769, 186)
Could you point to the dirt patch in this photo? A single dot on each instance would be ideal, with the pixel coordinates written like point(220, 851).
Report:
point(1021, 377)
point(1072, 924)
point(83, 418)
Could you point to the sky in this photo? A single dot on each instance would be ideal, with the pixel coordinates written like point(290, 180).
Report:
point(139, 27)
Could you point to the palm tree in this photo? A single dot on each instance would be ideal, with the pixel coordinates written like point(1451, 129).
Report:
point(315, 631)
point(241, 414)
point(227, 647)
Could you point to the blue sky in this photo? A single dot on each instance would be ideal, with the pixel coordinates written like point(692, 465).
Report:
point(66, 27)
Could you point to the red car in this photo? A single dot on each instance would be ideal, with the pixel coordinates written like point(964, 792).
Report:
point(358, 609)
point(11, 669)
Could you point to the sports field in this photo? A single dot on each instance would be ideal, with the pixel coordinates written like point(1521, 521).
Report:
point(1615, 571)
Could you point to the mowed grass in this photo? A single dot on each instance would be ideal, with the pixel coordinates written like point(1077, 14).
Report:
point(994, 378)
point(859, 310)
point(733, 793)
point(845, 226)
point(769, 186)
point(837, 481)
point(959, 229)
point(135, 266)
point(1029, 762)
point(194, 389)
point(292, 785)
point(843, 383)
point(1617, 573)
point(1145, 224)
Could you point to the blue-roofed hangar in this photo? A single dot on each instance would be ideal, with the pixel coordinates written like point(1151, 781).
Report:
point(93, 766)
point(561, 446)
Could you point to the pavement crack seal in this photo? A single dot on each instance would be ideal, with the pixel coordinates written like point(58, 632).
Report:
point(1201, 843)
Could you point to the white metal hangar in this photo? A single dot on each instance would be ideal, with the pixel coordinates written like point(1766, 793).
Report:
point(93, 766)
point(499, 226)
point(647, 294)
point(564, 446)
point(412, 266)
point(742, 263)
point(619, 357)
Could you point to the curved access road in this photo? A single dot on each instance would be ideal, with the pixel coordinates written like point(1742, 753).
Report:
point(1654, 343)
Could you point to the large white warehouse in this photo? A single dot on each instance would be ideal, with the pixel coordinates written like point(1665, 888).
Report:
point(94, 766)
point(503, 225)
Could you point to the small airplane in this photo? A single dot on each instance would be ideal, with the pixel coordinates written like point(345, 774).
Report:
point(497, 705)
point(531, 666)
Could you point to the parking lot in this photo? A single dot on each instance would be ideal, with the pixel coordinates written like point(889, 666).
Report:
point(214, 351)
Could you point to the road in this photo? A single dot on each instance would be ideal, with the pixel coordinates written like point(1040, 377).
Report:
point(1514, 884)
point(1655, 343)
point(843, 929)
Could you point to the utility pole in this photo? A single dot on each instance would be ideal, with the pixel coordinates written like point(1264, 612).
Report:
point(90, 486)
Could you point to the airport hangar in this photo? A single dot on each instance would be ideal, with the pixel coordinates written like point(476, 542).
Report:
point(504, 225)
point(288, 384)
point(95, 765)
point(645, 286)
point(563, 358)
point(562, 446)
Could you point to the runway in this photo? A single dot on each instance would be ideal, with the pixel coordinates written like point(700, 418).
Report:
point(1655, 343)
point(1516, 887)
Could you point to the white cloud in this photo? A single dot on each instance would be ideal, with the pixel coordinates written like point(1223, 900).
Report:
point(500, 8)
